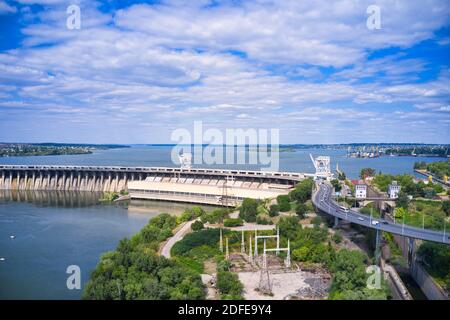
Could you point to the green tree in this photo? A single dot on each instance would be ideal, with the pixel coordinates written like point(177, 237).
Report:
point(402, 200)
point(446, 207)
point(436, 258)
point(302, 191)
point(283, 203)
point(367, 172)
point(336, 185)
point(337, 237)
point(229, 285)
point(349, 271)
point(301, 254)
point(317, 221)
point(422, 165)
point(134, 270)
point(438, 188)
point(274, 210)
point(197, 225)
point(248, 210)
point(301, 209)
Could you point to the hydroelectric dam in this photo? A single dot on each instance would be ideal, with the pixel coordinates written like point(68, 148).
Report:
point(195, 185)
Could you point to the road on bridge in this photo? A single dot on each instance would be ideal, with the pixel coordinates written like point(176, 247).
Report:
point(323, 201)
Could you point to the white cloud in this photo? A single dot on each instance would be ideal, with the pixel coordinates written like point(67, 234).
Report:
point(158, 67)
point(5, 8)
point(320, 32)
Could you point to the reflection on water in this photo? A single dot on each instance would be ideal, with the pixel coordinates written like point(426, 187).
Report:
point(69, 199)
point(55, 229)
point(79, 199)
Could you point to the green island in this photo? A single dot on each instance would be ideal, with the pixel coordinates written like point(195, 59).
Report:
point(50, 149)
point(441, 169)
point(428, 151)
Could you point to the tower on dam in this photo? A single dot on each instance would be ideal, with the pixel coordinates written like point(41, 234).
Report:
point(322, 165)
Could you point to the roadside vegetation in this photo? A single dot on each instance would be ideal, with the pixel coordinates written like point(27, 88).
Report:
point(134, 270)
point(416, 190)
point(198, 248)
point(436, 260)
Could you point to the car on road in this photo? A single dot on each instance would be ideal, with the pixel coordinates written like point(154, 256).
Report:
point(344, 208)
point(375, 222)
point(385, 222)
point(360, 219)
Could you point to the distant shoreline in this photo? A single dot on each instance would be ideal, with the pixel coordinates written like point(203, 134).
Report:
point(51, 149)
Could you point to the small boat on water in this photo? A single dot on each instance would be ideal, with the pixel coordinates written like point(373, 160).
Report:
point(2, 259)
point(12, 237)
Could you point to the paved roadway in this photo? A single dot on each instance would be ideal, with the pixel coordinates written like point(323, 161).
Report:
point(322, 200)
point(165, 251)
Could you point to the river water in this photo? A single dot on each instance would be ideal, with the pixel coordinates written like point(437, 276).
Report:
point(56, 229)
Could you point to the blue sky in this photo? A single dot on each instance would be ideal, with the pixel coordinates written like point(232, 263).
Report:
point(136, 71)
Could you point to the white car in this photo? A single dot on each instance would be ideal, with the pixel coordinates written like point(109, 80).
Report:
point(360, 219)
point(375, 222)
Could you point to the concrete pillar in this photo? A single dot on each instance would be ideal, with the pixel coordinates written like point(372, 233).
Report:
point(18, 180)
point(336, 222)
point(378, 247)
point(125, 181)
point(41, 176)
point(411, 251)
point(64, 182)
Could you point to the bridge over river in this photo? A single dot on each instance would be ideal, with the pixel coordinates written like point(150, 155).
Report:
point(323, 201)
point(196, 185)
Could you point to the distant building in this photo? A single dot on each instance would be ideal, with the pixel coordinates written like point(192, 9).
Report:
point(393, 190)
point(360, 191)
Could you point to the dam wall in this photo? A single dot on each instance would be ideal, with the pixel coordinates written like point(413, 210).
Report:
point(63, 180)
point(112, 178)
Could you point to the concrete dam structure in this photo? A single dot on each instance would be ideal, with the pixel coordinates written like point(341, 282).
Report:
point(212, 186)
